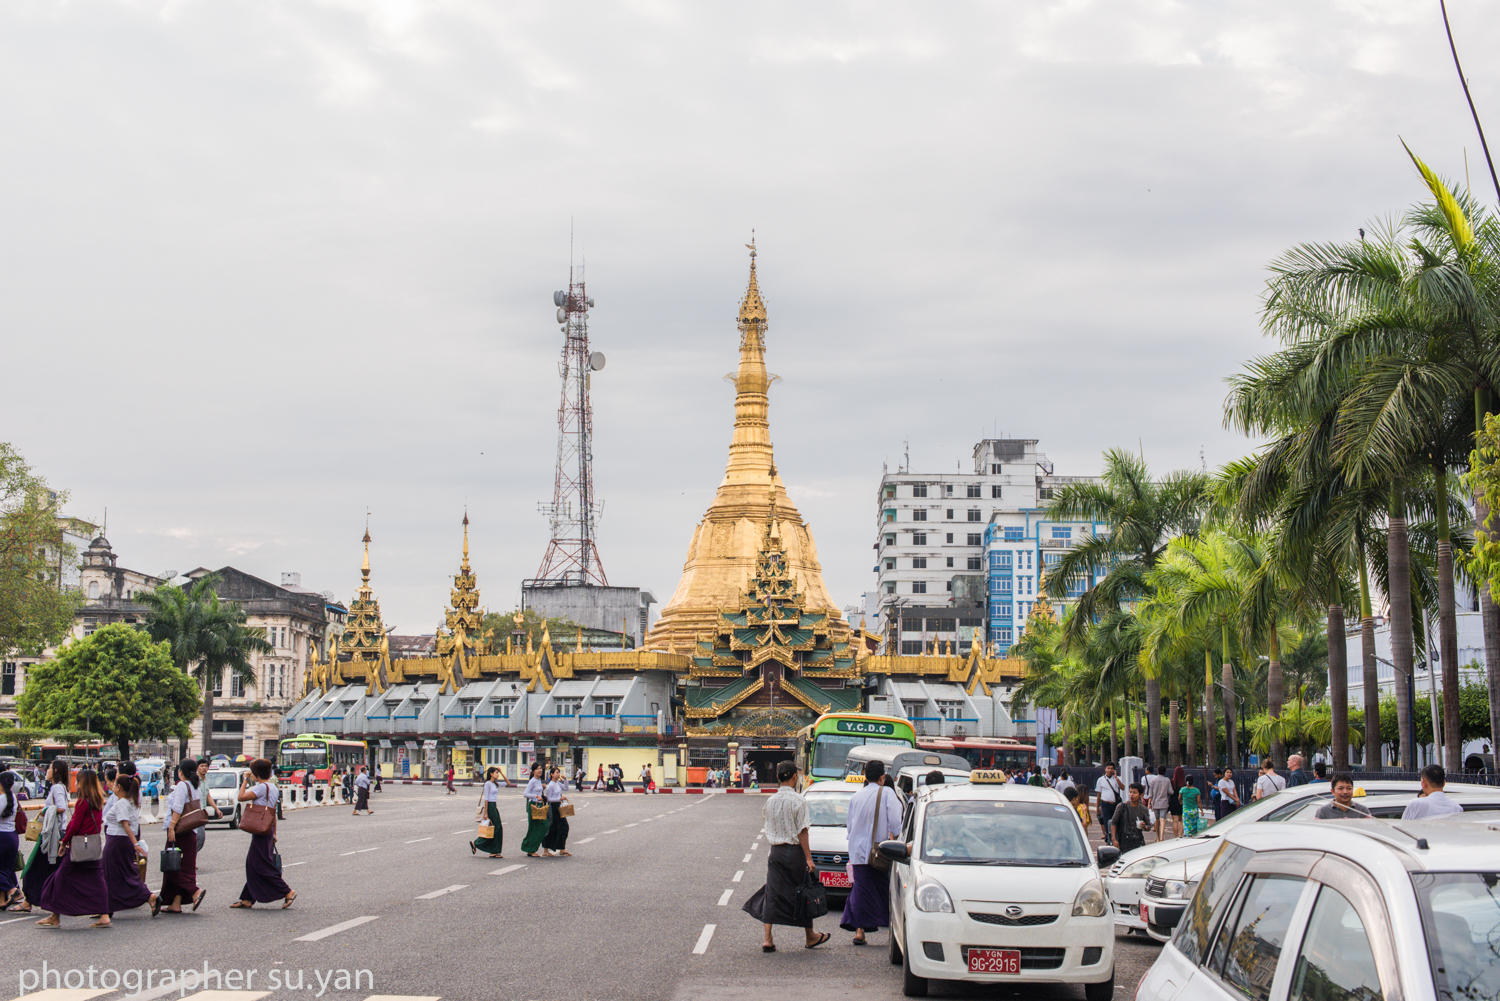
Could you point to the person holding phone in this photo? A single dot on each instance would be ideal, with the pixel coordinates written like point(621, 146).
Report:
point(1130, 822)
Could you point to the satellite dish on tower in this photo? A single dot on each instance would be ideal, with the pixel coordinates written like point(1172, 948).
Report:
point(562, 316)
point(559, 298)
point(596, 361)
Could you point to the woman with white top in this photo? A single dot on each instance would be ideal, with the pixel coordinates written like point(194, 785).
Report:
point(10, 841)
point(43, 861)
point(556, 841)
point(122, 818)
point(263, 882)
point(182, 885)
point(536, 828)
point(489, 808)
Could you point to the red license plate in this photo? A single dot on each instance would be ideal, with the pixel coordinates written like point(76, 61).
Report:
point(835, 879)
point(994, 960)
point(1145, 914)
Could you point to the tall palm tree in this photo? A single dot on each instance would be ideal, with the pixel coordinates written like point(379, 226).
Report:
point(208, 637)
point(1142, 516)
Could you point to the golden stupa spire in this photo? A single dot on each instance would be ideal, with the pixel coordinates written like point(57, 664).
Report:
point(364, 569)
point(750, 507)
point(465, 564)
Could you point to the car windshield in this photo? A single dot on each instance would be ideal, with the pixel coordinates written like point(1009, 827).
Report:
point(1461, 916)
point(828, 809)
point(222, 779)
point(1000, 832)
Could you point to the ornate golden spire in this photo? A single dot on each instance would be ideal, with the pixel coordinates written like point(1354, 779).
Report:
point(364, 569)
point(752, 307)
point(465, 621)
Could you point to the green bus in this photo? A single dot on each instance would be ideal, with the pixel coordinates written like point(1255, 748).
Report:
point(823, 746)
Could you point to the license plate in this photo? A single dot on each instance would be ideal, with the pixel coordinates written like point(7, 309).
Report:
point(994, 960)
point(835, 879)
point(1145, 914)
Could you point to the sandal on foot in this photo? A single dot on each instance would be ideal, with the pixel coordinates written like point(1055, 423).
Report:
point(289, 898)
point(102, 923)
point(199, 898)
point(19, 907)
point(472, 849)
point(861, 941)
point(768, 948)
point(49, 923)
point(243, 904)
point(820, 940)
point(155, 904)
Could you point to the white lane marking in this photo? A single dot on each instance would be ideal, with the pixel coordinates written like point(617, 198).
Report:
point(632, 825)
point(615, 831)
point(415, 840)
point(644, 820)
point(447, 889)
point(290, 864)
point(335, 929)
point(464, 831)
point(738, 876)
point(509, 868)
point(341, 854)
point(703, 939)
point(584, 841)
point(659, 816)
point(363, 850)
point(755, 846)
point(745, 859)
point(14, 920)
point(724, 899)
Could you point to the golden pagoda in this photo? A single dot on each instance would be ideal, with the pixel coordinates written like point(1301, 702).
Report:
point(364, 641)
point(464, 617)
point(722, 556)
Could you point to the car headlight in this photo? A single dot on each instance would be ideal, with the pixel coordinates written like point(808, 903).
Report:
point(1176, 889)
point(1140, 868)
point(930, 896)
point(1090, 901)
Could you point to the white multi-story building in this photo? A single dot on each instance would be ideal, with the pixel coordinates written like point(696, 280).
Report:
point(943, 538)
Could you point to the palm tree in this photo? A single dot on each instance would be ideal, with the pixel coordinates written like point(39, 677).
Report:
point(207, 637)
point(1142, 515)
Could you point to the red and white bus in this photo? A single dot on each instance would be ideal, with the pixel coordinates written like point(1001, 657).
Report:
point(984, 752)
point(322, 752)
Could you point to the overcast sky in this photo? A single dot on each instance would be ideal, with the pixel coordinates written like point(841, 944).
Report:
point(265, 265)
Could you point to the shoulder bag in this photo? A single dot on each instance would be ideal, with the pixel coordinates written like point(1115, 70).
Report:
point(258, 819)
point(86, 847)
point(191, 819)
point(877, 861)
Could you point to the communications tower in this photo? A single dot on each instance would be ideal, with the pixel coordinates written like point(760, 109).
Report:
point(572, 558)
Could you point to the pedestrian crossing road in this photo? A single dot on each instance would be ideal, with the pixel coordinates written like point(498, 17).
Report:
point(394, 906)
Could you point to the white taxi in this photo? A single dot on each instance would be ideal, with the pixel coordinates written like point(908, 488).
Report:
point(994, 884)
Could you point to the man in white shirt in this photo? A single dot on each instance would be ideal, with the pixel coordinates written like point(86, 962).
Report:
point(789, 862)
point(1108, 791)
point(1433, 802)
point(1064, 782)
point(874, 816)
point(1269, 783)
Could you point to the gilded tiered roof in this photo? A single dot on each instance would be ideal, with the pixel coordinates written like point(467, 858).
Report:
point(363, 651)
point(463, 618)
point(726, 543)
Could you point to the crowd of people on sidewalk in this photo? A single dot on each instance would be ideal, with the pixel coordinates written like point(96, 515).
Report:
point(89, 849)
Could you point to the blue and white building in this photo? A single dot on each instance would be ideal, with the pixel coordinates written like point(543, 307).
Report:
point(1021, 547)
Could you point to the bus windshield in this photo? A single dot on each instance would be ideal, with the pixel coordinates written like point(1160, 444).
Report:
point(295, 758)
point(831, 750)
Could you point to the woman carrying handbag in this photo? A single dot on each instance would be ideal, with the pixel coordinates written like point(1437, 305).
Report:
point(184, 816)
point(488, 815)
point(263, 882)
point(536, 812)
point(10, 841)
point(122, 877)
point(78, 887)
point(43, 861)
point(556, 841)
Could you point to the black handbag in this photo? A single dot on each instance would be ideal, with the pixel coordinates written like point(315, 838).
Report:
point(171, 860)
point(811, 899)
point(276, 859)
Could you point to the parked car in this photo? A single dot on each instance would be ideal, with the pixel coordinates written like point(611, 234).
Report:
point(1339, 909)
point(828, 835)
point(224, 787)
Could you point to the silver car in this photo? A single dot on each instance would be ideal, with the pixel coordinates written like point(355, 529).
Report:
point(828, 835)
point(1339, 909)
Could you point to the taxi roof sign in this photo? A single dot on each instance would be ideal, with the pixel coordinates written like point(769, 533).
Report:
point(855, 778)
point(992, 776)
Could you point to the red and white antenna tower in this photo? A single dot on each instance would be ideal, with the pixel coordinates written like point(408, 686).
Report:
point(572, 557)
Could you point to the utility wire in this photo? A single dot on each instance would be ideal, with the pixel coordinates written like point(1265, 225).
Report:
point(1468, 97)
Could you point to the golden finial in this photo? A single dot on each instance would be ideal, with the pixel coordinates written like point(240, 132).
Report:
point(364, 570)
point(752, 307)
point(466, 541)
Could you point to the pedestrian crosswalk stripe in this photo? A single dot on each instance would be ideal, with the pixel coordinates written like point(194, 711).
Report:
point(401, 997)
point(335, 929)
point(509, 868)
point(724, 899)
point(447, 889)
point(62, 994)
point(226, 996)
point(703, 939)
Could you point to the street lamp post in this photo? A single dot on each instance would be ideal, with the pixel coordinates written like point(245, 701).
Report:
point(1240, 712)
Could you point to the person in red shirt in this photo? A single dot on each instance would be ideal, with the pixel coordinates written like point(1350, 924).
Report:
point(78, 887)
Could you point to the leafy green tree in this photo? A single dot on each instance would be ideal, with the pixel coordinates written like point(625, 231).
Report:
point(35, 611)
point(207, 638)
point(115, 684)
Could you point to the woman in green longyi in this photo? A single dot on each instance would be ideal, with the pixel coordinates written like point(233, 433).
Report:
point(536, 829)
point(490, 809)
point(1192, 820)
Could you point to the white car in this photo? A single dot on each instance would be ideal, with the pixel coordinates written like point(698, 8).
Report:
point(1339, 909)
point(1126, 880)
point(998, 887)
point(827, 835)
point(224, 787)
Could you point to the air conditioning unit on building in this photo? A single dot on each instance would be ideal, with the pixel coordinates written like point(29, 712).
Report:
point(958, 731)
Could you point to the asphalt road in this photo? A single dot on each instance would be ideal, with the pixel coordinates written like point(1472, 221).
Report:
point(648, 909)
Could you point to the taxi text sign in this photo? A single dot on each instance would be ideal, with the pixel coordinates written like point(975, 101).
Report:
point(864, 726)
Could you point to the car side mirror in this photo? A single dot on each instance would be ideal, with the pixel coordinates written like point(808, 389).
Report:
point(1108, 855)
point(895, 851)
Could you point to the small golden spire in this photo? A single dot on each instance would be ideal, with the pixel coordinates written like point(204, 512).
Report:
point(466, 541)
point(364, 570)
point(752, 307)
